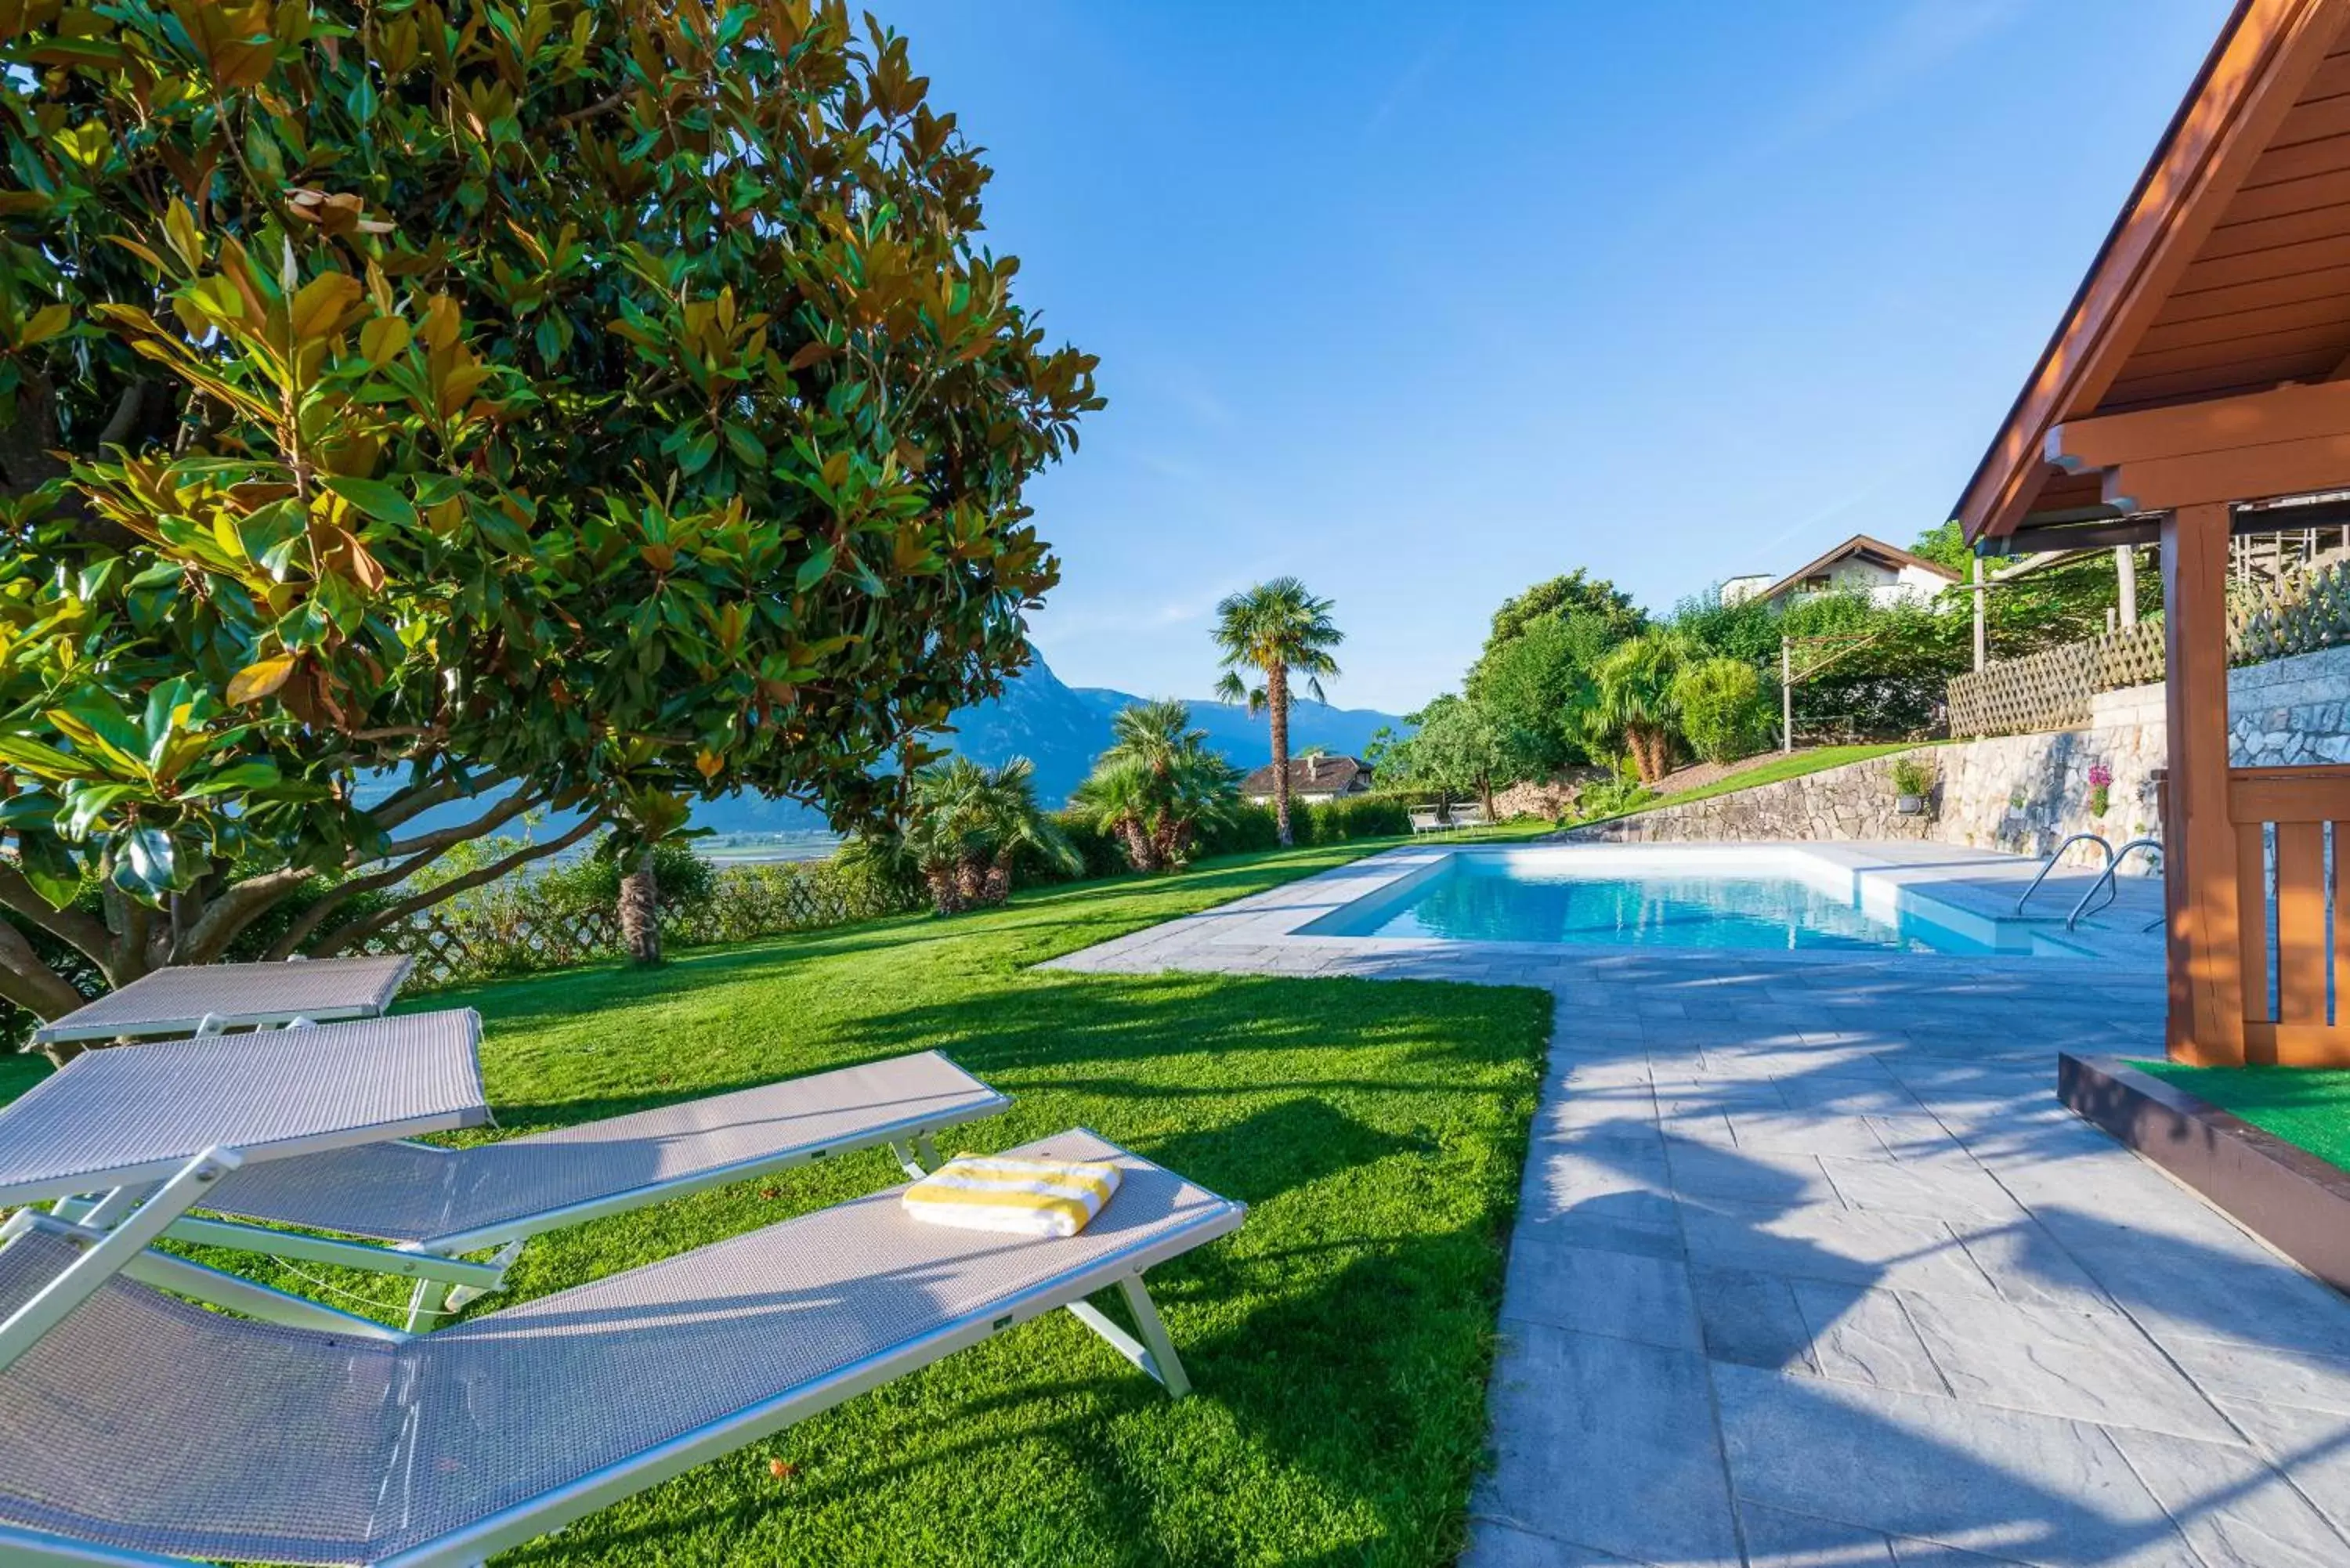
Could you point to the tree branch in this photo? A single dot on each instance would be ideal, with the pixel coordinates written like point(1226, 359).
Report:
point(28, 982)
point(70, 926)
point(417, 799)
point(417, 852)
point(360, 930)
point(442, 838)
point(236, 908)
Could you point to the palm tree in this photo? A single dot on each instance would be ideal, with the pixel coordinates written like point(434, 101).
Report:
point(1277, 630)
point(1635, 701)
point(1158, 784)
point(965, 825)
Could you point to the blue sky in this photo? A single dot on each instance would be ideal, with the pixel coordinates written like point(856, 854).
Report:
point(1424, 304)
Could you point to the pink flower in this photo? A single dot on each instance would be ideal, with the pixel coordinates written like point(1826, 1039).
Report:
point(2100, 776)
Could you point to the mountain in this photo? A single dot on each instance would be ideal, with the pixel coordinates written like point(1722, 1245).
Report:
point(1061, 729)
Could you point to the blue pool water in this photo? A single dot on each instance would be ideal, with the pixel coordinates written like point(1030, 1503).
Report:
point(1515, 899)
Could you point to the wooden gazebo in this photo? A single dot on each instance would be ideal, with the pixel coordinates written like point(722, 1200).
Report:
point(2198, 386)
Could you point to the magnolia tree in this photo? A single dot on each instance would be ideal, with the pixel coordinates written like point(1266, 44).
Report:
point(420, 414)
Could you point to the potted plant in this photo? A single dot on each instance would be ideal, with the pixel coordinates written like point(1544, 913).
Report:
point(2101, 788)
point(1913, 781)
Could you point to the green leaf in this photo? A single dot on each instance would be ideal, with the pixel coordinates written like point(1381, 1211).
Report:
point(44, 760)
point(146, 863)
point(240, 778)
point(49, 867)
point(374, 498)
point(815, 569)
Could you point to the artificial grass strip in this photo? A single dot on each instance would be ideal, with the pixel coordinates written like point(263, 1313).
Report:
point(2309, 1107)
point(1339, 1342)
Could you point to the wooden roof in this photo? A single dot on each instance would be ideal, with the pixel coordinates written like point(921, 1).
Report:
point(1867, 548)
point(2228, 271)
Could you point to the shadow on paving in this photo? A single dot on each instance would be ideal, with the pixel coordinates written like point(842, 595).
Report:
point(1852, 1356)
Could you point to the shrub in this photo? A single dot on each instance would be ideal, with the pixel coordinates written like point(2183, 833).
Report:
point(1612, 797)
point(1359, 816)
point(1725, 712)
point(1912, 774)
point(1251, 827)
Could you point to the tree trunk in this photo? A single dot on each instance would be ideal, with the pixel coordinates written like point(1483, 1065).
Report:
point(1277, 701)
point(640, 912)
point(1137, 845)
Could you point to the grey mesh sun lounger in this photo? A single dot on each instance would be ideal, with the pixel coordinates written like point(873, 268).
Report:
point(422, 1208)
point(142, 1428)
point(433, 1205)
point(203, 998)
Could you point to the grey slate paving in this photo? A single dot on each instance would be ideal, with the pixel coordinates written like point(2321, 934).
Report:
point(1812, 1271)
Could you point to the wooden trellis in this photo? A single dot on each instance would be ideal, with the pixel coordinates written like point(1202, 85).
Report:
point(2053, 689)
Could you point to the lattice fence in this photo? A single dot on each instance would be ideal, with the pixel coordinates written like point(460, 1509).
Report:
point(2053, 689)
point(509, 934)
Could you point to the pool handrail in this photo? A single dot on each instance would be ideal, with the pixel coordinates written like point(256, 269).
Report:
point(2106, 880)
point(2098, 839)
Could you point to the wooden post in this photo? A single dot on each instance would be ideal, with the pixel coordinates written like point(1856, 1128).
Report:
point(2199, 842)
point(1786, 698)
point(1982, 628)
point(2126, 581)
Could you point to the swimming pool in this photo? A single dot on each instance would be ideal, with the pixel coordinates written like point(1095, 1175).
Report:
point(1757, 900)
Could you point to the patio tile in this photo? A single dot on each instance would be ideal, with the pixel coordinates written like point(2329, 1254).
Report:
point(1804, 1132)
point(2005, 1483)
point(1492, 1545)
point(1814, 1241)
point(1702, 1169)
point(1751, 1319)
point(2234, 1368)
point(1865, 1336)
point(2092, 1366)
point(1776, 1539)
point(1593, 1290)
point(2232, 1507)
point(1957, 1191)
point(1606, 1443)
point(2313, 1446)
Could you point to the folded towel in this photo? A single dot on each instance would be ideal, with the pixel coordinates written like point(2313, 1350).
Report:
point(1027, 1196)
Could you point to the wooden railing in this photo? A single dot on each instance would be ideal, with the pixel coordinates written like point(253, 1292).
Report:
point(2295, 970)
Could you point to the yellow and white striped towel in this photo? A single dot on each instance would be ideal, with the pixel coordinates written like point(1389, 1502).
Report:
point(1025, 1196)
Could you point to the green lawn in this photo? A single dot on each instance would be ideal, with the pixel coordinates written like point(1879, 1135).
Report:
point(1339, 1341)
point(2309, 1107)
point(1771, 771)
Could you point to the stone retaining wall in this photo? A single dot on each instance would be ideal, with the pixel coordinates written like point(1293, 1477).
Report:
point(2024, 794)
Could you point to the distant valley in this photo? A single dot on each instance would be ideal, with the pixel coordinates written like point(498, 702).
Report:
point(1059, 728)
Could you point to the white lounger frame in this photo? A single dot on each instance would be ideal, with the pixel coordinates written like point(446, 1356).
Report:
point(1153, 1353)
point(446, 1279)
point(158, 1026)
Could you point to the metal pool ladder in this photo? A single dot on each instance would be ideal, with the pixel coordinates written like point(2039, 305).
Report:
point(2098, 839)
point(2108, 886)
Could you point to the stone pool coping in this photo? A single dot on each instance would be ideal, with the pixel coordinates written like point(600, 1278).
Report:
point(1267, 930)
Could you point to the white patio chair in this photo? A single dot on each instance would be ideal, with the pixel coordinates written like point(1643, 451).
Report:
point(420, 1209)
point(1468, 816)
point(1427, 819)
point(136, 1428)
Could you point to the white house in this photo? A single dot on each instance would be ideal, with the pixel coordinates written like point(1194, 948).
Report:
point(1311, 778)
point(1887, 573)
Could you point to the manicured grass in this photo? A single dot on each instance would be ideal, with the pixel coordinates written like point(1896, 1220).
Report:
point(1339, 1341)
point(2309, 1107)
point(1777, 768)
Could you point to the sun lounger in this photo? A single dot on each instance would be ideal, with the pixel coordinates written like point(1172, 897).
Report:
point(202, 998)
point(430, 1204)
point(139, 1427)
point(424, 1207)
point(1428, 819)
